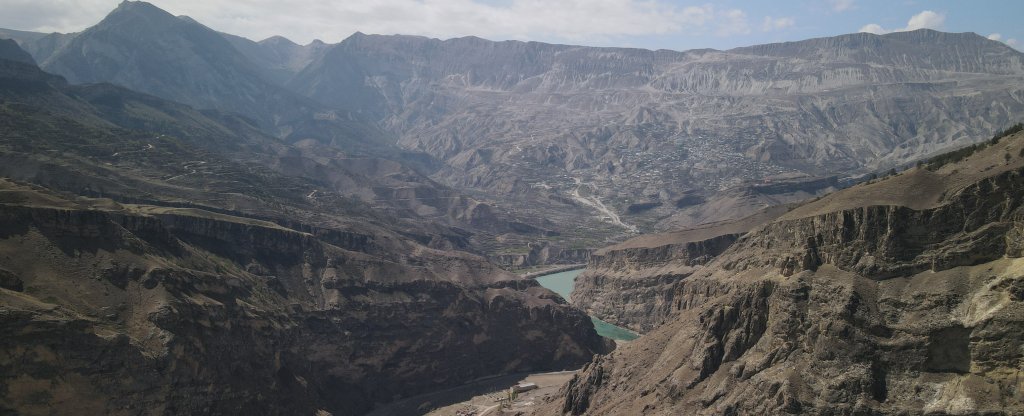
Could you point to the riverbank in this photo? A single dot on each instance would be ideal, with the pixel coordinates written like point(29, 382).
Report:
point(562, 283)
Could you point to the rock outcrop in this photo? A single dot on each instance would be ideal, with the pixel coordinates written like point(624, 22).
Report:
point(632, 284)
point(542, 254)
point(633, 288)
point(127, 309)
point(881, 242)
point(901, 296)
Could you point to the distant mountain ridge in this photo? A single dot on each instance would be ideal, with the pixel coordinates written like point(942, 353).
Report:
point(279, 57)
point(921, 49)
point(142, 47)
point(657, 139)
point(701, 121)
point(145, 48)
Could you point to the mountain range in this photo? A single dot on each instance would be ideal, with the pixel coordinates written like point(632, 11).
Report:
point(159, 258)
point(552, 134)
point(678, 128)
point(196, 222)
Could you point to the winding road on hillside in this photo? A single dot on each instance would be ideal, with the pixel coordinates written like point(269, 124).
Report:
point(593, 202)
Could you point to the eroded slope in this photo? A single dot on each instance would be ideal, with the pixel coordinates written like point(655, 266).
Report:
point(152, 261)
point(844, 307)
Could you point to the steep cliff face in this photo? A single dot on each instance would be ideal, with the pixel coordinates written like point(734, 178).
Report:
point(541, 254)
point(632, 284)
point(121, 309)
point(960, 214)
point(633, 287)
point(845, 307)
point(888, 241)
point(822, 342)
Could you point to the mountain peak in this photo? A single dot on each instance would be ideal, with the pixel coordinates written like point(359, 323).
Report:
point(278, 40)
point(140, 15)
point(139, 7)
point(147, 49)
point(355, 36)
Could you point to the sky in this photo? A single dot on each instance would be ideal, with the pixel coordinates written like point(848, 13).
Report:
point(649, 24)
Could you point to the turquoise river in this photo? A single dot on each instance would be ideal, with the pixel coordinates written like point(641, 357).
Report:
point(561, 283)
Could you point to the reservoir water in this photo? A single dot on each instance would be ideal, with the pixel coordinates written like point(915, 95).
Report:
point(561, 283)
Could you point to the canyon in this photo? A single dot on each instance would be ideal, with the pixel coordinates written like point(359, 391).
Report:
point(196, 222)
point(177, 271)
point(898, 296)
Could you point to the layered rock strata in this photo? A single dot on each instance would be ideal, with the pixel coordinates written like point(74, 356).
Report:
point(903, 296)
point(542, 254)
point(631, 284)
point(123, 309)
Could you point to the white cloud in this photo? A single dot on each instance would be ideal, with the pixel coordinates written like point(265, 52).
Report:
point(842, 5)
point(873, 28)
point(771, 23)
point(733, 22)
point(580, 21)
point(1013, 43)
point(924, 20)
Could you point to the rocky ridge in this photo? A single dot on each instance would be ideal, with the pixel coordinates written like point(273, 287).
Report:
point(185, 311)
point(872, 300)
point(598, 141)
point(155, 258)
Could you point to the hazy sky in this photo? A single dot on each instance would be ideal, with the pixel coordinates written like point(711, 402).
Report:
point(651, 24)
